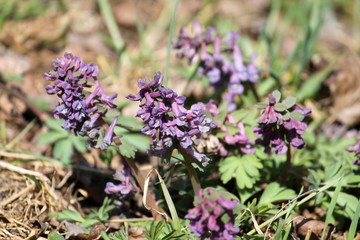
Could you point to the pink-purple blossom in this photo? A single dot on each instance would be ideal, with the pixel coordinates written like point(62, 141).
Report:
point(281, 123)
point(224, 66)
point(218, 145)
point(126, 185)
point(213, 217)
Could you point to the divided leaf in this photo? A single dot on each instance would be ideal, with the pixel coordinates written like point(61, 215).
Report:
point(244, 169)
point(127, 150)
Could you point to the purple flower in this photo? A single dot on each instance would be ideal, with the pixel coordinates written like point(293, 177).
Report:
point(281, 122)
point(207, 218)
point(126, 186)
point(356, 149)
point(81, 114)
point(224, 66)
point(167, 121)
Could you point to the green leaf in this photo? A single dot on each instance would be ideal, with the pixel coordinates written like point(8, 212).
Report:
point(346, 201)
point(279, 107)
point(245, 169)
point(63, 150)
point(246, 193)
point(69, 215)
point(231, 128)
point(277, 95)
point(286, 116)
point(289, 101)
point(54, 124)
point(50, 137)
point(261, 105)
point(141, 142)
point(55, 236)
point(127, 150)
point(89, 222)
point(78, 143)
point(129, 122)
point(239, 114)
point(274, 193)
point(298, 116)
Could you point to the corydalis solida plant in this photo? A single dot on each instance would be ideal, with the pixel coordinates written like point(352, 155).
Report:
point(280, 122)
point(167, 121)
point(82, 110)
point(211, 142)
point(224, 66)
point(213, 215)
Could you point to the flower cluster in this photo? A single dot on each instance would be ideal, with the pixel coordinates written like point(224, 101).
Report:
point(281, 121)
point(167, 121)
point(81, 114)
point(213, 215)
point(125, 187)
point(223, 66)
point(237, 140)
point(356, 149)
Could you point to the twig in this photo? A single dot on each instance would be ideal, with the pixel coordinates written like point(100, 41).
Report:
point(17, 195)
point(125, 220)
point(149, 198)
point(23, 171)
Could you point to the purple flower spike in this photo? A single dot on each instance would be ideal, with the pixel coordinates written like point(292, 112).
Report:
point(224, 66)
point(281, 121)
point(81, 114)
point(356, 149)
point(206, 218)
point(168, 122)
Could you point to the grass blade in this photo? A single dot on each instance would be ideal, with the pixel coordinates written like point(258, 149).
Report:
point(354, 223)
point(111, 24)
point(331, 207)
point(172, 23)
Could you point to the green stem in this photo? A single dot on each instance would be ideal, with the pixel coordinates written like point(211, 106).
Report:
point(192, 172)
point(172, 23)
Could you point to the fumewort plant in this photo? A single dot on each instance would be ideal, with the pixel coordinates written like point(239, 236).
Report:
point(171, 125)
point(281, 124)
point(219, 59)
point(213, 216)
